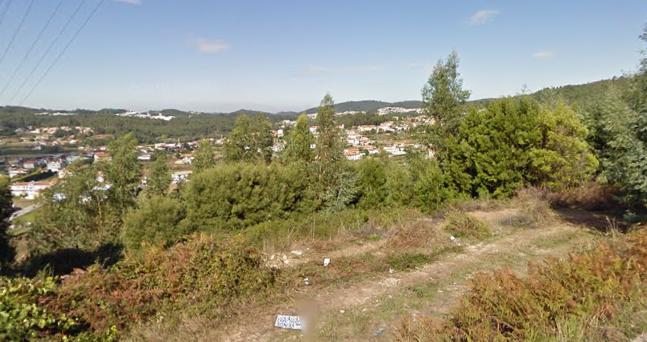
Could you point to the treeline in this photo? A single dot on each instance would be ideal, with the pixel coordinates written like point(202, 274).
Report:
point(183, 127)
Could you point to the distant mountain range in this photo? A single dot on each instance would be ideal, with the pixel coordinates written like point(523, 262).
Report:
point(568, 93)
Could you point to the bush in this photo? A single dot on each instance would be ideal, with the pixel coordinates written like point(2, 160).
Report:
point(579, 296)
point(22, 317)
point(515, 143)
point(157, 221)
point(371, 180)
point(201, 271)
point(463, 225)
point(234, 196)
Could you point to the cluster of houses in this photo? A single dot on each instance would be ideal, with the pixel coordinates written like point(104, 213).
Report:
point(48, 136)
point(53, 163)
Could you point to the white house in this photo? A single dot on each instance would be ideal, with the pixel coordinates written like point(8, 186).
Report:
point(29, 190)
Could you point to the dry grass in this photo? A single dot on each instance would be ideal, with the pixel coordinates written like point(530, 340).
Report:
point(593, 295)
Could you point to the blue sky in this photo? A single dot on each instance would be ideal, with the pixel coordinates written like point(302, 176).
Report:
point(210, 55)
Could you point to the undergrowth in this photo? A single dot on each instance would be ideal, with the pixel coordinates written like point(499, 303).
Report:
point(594, 295)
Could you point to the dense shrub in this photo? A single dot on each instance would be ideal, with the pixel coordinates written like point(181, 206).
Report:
point(513, 143)
point(157, 221)
point(578, 296)
point(372, 183)
point(201, 271)
point(22, 317)
point(234, 196)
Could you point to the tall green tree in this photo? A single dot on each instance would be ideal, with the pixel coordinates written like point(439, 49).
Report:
point(299, 141)
point(444, 96)
point(159, 178)
point(516, 142)
point(6, 208)
point(203, 157)
point(123, 171)
point(337, 181)
point(329, 147)
point(251, 140)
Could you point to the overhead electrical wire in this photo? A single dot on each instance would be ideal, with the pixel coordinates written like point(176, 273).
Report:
point(31, 48)
point(48, 50)
point(58, 57)
point(15, 33)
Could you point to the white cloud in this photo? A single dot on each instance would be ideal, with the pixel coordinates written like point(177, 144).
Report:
point(130, 2)
point(483, 17)
point(210, 46)
point(543, 55)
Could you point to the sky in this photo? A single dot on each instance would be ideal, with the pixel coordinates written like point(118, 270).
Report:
point(280, 55)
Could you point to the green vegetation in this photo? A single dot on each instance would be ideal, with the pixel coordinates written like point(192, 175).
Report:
point(463, 225)
point(6, 251)
point(250, 140)
point(140, 251)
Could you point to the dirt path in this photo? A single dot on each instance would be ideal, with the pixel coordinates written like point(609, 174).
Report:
point(451, 271)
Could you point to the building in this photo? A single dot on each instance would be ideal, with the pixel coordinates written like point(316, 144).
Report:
point(29, 190)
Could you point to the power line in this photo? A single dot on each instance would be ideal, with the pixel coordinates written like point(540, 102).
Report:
point(31, 48)
point(47, 51)
point(15, 33)
point(85, 23)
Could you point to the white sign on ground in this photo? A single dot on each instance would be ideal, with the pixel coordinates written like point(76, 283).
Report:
point(288, 322)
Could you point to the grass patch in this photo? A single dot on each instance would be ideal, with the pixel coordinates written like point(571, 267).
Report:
point(463, 225)
point(408, 261)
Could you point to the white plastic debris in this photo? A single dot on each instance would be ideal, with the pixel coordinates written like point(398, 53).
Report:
point(297, 252)
point(451, 237)
point(289, 322)
point(391, 271)
point(326, 262)
point(306, 281)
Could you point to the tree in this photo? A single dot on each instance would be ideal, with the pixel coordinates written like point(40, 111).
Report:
point(299, 141)
point(443, 95)
point(6, 209)
point(337, 180)
point(123, 171)
point(203, 157)
point(159, 179)
point(329, 147)
point(372, 183)
point(156, 221)
point(251, 140)
point(76, 213)
point(514, 143)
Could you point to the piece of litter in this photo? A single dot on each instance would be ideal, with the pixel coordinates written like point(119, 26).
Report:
point(289, 322)
point(342, 311)
point(379, 332)
point(326, 262)
point(297, 252)
point(391, 271)
point(451, 237)
point(306, 281)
